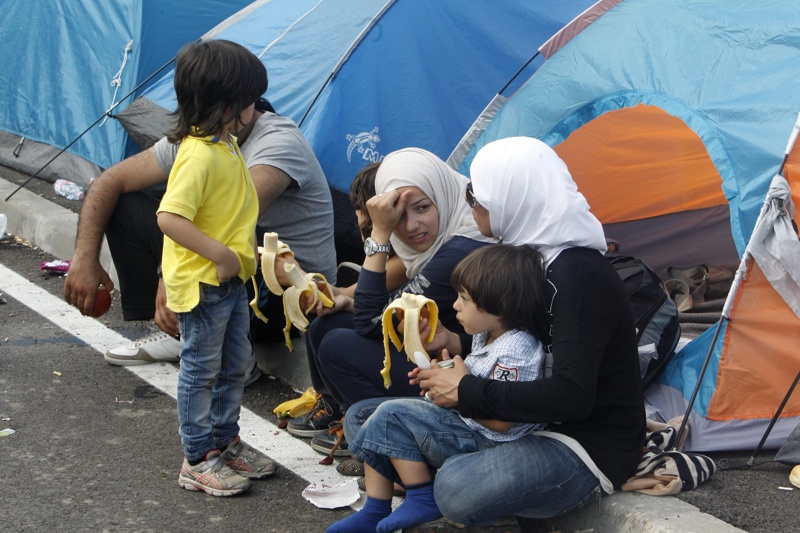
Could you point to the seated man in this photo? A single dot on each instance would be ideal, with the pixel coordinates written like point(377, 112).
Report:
point(294, 201)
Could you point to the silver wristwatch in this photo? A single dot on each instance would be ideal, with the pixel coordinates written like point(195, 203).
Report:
point(371, 247)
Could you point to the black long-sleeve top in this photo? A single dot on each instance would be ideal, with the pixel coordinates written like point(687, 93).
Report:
point(594, 393)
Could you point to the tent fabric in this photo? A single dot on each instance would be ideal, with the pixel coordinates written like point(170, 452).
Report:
point(674, 131)
point(774, 243)
point(363, 78)
point(65, 63)
point(744, 53)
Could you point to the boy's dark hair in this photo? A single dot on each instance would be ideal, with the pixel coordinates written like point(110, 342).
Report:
point(506, 281)
point(215, 81)
point(362, 189)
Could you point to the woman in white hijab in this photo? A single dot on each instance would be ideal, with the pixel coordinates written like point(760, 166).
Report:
point(419, 210)
point(591, 400)
point(532, 198)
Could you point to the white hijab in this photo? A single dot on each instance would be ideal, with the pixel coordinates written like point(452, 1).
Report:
point(415, 167)
point(532, 199)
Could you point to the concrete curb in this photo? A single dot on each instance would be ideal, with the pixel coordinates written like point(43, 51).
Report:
point(45, 224)
point(627, 512)
point(53, 229)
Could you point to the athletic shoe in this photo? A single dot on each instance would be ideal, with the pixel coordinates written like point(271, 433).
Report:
point(157, 346)
point(332, 443)
point(316, 422)
point(212, 476)
point(350, 467)
point(246, 462)
point(253, 372)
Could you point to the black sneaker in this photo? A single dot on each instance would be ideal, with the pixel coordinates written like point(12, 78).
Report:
point(332, 443)
point(316, 422)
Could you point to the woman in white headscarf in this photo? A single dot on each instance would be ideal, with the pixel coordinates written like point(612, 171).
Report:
point(532, 198)
point(419, 211)
point(522, 193)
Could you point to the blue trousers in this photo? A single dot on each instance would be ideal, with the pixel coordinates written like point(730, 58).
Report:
point(534, 476)
point(215, 355)
point(414, 430)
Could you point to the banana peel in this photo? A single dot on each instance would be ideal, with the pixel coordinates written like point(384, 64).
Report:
point(302, 287)
point(272, 249)
point(299, 406)
point(412, 306)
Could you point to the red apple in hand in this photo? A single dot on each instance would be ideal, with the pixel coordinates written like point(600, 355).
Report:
point(102, 302)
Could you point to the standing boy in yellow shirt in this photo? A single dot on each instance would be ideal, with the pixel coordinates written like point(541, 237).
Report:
point(208, 216)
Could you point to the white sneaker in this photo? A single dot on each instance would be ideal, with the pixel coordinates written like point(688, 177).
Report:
point(157, 346)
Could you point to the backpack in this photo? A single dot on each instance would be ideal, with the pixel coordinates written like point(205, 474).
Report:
point(657, 328)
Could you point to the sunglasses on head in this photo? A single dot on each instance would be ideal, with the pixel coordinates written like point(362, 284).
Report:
point(470, 197)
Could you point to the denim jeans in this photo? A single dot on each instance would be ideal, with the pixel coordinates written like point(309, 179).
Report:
point(415, 430)
point(214, 358)
point(535, 476)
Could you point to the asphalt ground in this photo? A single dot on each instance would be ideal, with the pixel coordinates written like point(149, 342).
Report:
point(96, 446)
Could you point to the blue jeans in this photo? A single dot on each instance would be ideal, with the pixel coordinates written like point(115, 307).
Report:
point(214, 358)
point(534, 477)
point(415, 430)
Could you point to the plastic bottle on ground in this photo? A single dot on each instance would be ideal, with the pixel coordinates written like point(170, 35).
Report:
point(68, 189)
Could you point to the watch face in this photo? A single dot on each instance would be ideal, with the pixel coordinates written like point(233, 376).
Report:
point(371, 247)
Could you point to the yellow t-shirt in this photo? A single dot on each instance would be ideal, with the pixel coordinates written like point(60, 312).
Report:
point(210, 185)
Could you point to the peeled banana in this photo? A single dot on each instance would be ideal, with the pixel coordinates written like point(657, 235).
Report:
point(273, 248)
point(412, 305)
point(302, 286)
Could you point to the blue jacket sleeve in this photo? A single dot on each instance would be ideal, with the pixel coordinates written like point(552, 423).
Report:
point(371, 296)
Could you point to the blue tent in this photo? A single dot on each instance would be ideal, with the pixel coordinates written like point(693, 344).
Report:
point(64, 63)
point(673, 118)
point(365, 77)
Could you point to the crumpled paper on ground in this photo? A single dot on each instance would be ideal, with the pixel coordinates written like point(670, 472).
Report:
point(327, 497)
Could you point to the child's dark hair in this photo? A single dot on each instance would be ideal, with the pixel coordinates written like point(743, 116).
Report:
point(506, 281)
point(362, 189)
point(215, 81)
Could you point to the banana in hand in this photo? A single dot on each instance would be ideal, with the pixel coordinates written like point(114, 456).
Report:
point(302, 286)
point(412, 305)
point(272, 249)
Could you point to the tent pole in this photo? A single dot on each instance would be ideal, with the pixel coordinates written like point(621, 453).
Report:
point(346, 56)
point(523, 67)
point(689, 407)
point(726, 311)
point(93, 124)
point(774, 419)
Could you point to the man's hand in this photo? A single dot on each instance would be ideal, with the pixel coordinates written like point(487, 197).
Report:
point(166, 320)
point(280, 270)
point(85, 276)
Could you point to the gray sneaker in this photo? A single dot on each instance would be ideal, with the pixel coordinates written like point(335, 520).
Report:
point(212, 476)
point(316, 422)
point(253, 372)
point(247, 462)
point(157, 346)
